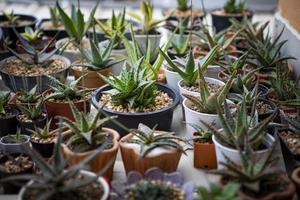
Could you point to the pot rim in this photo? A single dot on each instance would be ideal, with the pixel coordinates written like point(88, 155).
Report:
point(33, 21)
point(87, 71)
point(100, 180)
point(63, 40)
point(171, 107)
point(147, 35)
point(13, 144)
point(63, 58)
point(296, 175)
point(251, 12)
point(116, 137)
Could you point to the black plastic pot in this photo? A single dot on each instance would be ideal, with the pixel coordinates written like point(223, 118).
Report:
point(263, 91)
point(162, 118)
point(8, 30)
point(266, 115)
point(18, 83)
point(221, 22)
point(173, 54)
point(52, 32)
point(8, 144)
point(8, 125)
point(10, 187)
point(26, 126)
point(45, 149)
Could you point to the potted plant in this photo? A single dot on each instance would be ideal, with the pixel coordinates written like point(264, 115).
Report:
point(184, 9)
point(215, 192)
point(155, 184)
point(204, 148)
point(148, 26)
point(231, 9)
point(76, 28)
point(59, 181)
point(112, 29)
point(24, 71)
point(96, 60)
point(296, 178)
point(87, 134)
point(53, 26)
point(144, 148)
point(8, 115)
point(59, 95)
point(240, 132)
point(4, 53)
point(12, 143)
point(32, 116)
point(42, 140)
point(10, 21)
point(25, 97)
point(134, 99)
point(264, 183)
point(12, 164)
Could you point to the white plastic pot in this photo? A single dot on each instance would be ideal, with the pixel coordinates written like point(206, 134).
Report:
point(212, 71)
point(142, 41)
point(101, 180)
point(172, 78)
point(234, 155)
point(194, 117)
point(207, 79)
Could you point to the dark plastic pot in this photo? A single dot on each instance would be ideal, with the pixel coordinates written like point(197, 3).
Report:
point(18, 83)
point(8, 30)
point(263, 90)
point(6, 145)
point(3, 53)
point(221, 22)
point(162, 118)
point(8, 125)
point(52, 32)
point(45, 149)
point(266, 115)
point(26, 126)
point(10, 187)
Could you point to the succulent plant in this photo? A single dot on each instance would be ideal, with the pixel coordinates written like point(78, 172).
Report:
point(87, 134)
point(154, 185)
point(243, 130)
point(183, 5)
point(148, 23)
point(74, 24)
point(215, 192)
point(208, 102)
point(18, 138)
point(201, 134)
point(43, 133)
point(130, 87)
point(36, 56)
point(150, 139)
point(55, 178)
point(54, 17)
point(188, 72)
point(33, 112)
point(27, 97)
point(11, 17)
point(4, 98)
point(182, 45)
point(232, 6)
point(117, 24)
point(31, 35)
point(250, 96)
point(69, 91)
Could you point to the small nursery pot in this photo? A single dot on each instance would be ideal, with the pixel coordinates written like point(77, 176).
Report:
point(5, 146)
point(296, 179)
point(14, 102)
point(162, 118)
point(17, 83)
point(63, 109)
point(8, 125)
point(101, 160)
point(166, 160)
point(51, 32)
point(172, 78)
point(262, 116)
point(91, 78)
point(30, 125)
point(100, 180)
point(222, 21)
point(233, 154)
point(45, 149)
point(9, 187)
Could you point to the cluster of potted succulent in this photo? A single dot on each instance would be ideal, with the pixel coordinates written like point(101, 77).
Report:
point(234, 86)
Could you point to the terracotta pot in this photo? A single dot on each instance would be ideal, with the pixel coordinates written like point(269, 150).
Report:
point(91, 79)
point(101, 160)
point(166, 161)
point(296, 178)
point(287, 194)
point(205, 155)
point(63, 109)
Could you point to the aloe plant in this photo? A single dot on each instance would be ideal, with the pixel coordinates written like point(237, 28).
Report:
point(215, 192)
point(131, 88)
point(27, 97)
point(182, 45)
point(54, 17)
point(149, 140)
point(201, 134)
point(43, 133)
point(74, 24)
point(68, 91)
point(188, 72)
point(87, 133)
point(4, 98)
point(250, 96)
point(117, 24)
point(33, 112)
point(183, 5)
point(11, 17)
point(32, 35)
point(233, 7)
point(148, 23)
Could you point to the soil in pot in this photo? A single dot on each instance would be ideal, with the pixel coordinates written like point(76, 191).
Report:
point(14, 164)
point(292, 141)
point(8, 122)
point(27, 124)
point(213, 88)
point(265, 108)
point(43, 146)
